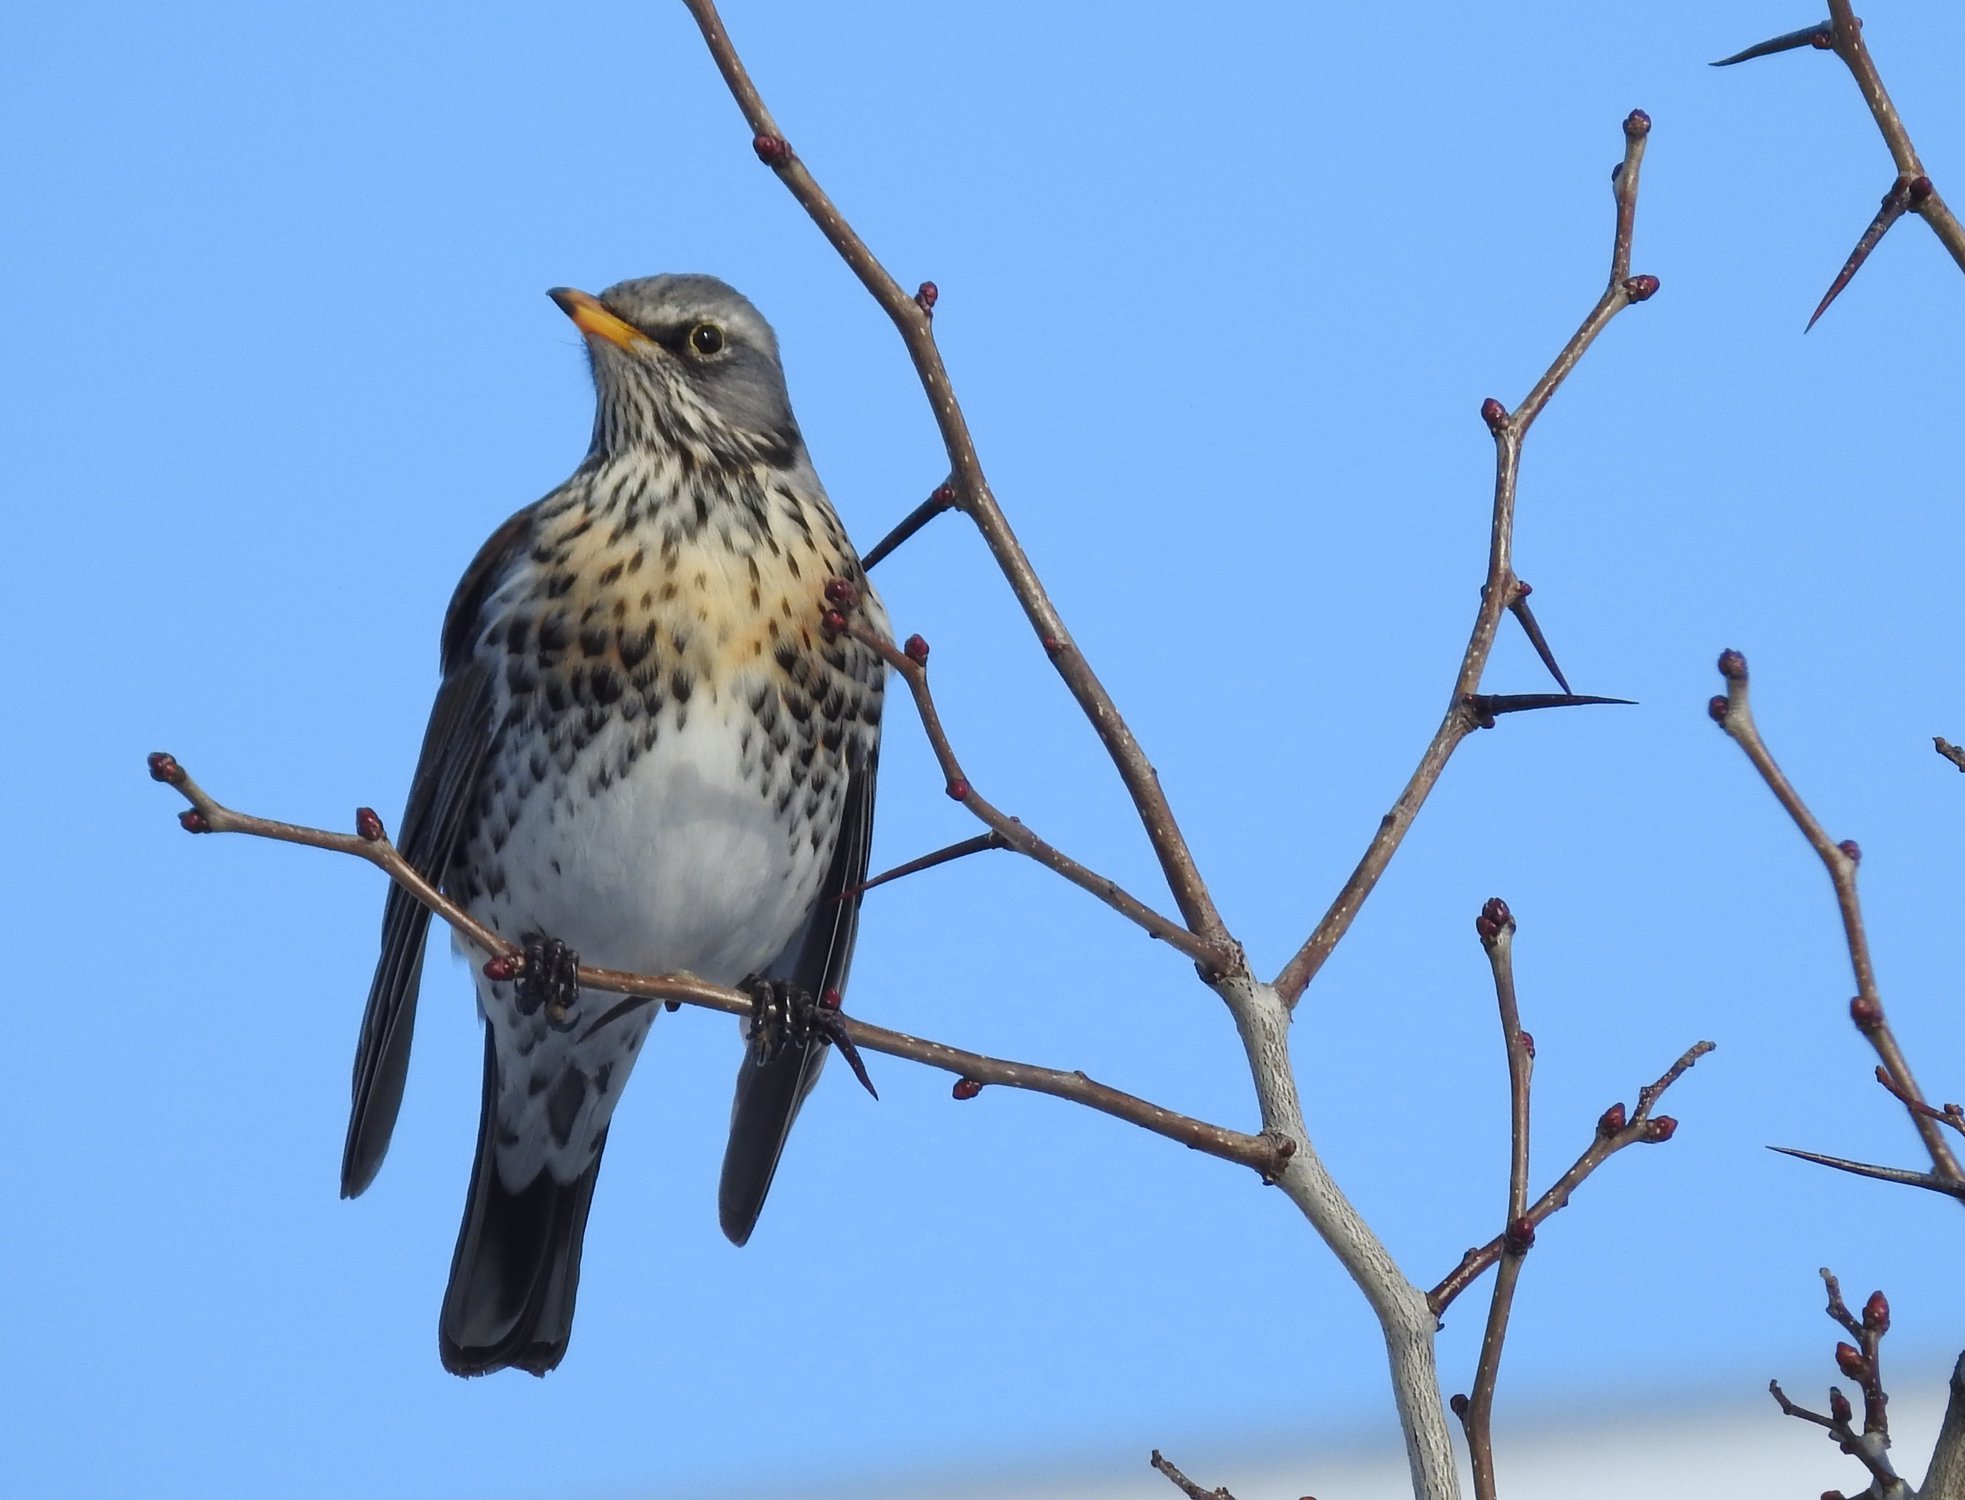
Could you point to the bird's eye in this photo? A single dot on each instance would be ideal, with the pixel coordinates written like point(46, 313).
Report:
point(706, 338)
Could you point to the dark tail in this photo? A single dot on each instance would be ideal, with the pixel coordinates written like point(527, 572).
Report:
point(517, 1266)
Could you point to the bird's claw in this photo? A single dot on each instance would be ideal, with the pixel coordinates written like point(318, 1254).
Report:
point(783, 1014)
point(550, 981)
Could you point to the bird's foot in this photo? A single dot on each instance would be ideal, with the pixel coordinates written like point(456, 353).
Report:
point(550, 981)
point(783, 1014)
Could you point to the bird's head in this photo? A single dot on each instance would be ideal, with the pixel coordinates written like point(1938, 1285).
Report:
point(683, 363)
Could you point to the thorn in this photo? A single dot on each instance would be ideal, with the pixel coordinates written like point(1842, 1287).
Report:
point(1525, 616)
point(164, 767)
point(773, 150)
point(1820, 36)
point(1903, 1175)
point(1894, 203)
point(942, 499)
point(1488, 707)
point(976, 845)
point(368, 827)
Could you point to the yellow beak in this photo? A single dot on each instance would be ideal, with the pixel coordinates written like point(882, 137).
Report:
point(594, 320)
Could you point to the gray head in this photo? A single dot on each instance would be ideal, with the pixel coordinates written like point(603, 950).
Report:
point(683, 363)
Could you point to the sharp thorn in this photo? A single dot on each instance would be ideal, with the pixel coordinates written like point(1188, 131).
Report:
point(942, 499)
point(1821, 34)
point(1526, 616)
point(976, 845)
point(1489, 706)
point(1904, 1175)
point(1894, 203)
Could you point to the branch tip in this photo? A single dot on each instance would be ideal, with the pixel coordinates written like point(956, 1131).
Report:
point(1637, 123)
point(164, 767)
point(1732, 666)
point(916, 650)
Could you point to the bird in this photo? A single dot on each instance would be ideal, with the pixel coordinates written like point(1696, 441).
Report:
point(651, 750)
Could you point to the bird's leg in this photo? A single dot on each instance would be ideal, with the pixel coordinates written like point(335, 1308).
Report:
point(549, 980)
point(784, 1014)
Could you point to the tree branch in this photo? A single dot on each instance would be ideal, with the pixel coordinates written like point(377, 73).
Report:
point(911, 665)
point(1501, 588)
point(1265, 1154)
point(1614, 1132)
point(913, 317)
point(1496, 927)
point(1734, 713)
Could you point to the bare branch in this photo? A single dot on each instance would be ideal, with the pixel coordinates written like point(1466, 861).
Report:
point(1953, 753)
point(1499, 592)
point(1945, 1479)
point(1185, 1485)
point(1496, 927)
point(1265, 1154)
point(1734, 713)
point(1842, 34)
point(912, 316)
point(1862, 1363)
point(1615, 1131)
point(980, 844)
point(911, 665)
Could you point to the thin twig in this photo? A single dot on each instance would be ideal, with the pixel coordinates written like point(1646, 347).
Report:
point(1862, 1363)
point(1614, 1132)
point(913, 318)
point(1265, 1154)
point(1734, 714)
point(911, 665)
point(1501, 588)
point(1842, 34)
point(1953, 753)
point(1185, 1485)
point(1496, 927)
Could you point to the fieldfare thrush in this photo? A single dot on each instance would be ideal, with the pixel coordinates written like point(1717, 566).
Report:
point(648, 752)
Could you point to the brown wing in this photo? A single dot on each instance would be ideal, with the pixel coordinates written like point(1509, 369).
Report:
point(816, 960)
point(440, 800)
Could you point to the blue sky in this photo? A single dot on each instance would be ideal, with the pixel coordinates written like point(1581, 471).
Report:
point(1223, 289)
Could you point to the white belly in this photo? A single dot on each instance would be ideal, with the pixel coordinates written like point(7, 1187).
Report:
point(680, 864)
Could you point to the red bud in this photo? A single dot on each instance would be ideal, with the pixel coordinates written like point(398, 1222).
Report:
point(504, 966)
point(966, 1088)
point(1612, 1120)
point(1659, 1129)
point(164, 768)
point(193, 821)
point(773, 150)
point(916, 650)
point(1849, 1360)
point(368, 827)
